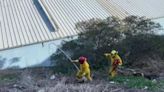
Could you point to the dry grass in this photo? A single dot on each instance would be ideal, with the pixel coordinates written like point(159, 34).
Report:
point(61, 86)
point(39, 81)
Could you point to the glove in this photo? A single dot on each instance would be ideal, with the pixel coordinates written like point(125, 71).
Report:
point(107, 54)
point(75, 61)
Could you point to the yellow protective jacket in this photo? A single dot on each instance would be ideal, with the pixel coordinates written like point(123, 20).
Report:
point(115, 61)
point(117, 57)
point(84, 67)
point(84, 71)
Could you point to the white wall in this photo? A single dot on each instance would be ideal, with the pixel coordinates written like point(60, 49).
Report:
point(34, 55)
point(161, 21)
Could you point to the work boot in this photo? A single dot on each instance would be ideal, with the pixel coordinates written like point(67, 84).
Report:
point(80, 80)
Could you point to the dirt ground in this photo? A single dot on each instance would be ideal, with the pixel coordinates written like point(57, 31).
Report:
point(39, 80)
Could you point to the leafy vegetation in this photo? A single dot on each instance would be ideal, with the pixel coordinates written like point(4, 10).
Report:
point(140, 83)
point(136, 82)
point(8, 78)
point(133, 37)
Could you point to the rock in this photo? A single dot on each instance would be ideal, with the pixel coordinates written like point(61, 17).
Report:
point(18, 87)
point(145, 87)
point(112, 82)
point(154, 81)
point(41, 90)
point(52, 77)
point(160, 78)
point(151, 76)
point(161, 74)
point(84, 79)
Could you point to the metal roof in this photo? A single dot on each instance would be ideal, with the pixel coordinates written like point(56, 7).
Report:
point(113, 9)
point(149, 8)
point(64, 14)
point(23, 22)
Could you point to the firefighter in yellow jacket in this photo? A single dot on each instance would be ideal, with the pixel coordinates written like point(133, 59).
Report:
point(84, 69)
point(115, 62)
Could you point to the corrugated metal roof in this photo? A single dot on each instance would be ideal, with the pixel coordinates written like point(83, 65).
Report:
point(113, 9)
point(149, 8)
point(25, 22)
point(22, 22)
point(66, 13)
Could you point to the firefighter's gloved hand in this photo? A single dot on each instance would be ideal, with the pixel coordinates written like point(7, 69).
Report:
point(74, 61)
point(107, 54)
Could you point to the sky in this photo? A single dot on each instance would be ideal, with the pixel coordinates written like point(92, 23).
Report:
point(35, 54)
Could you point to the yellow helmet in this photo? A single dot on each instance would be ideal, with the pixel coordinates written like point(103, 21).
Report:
point(113, 52)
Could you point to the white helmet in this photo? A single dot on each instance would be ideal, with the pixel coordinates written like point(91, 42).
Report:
point(113, 52)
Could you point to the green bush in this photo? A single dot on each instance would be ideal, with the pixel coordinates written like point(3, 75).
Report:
point(133, 37)
point(136, 82)
point(139, 47)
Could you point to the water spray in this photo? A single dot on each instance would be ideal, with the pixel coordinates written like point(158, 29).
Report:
point(68, 57)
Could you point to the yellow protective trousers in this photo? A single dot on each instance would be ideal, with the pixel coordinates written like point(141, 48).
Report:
point(114, 65)
point(80, 75)
point(84, 71)
point(113, 71)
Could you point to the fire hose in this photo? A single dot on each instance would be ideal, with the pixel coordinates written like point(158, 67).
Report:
point(68, 57)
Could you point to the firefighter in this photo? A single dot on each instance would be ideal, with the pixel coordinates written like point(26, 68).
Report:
point(84, 69)
point(115, 62)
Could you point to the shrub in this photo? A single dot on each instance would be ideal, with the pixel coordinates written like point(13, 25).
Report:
point(133, 37)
